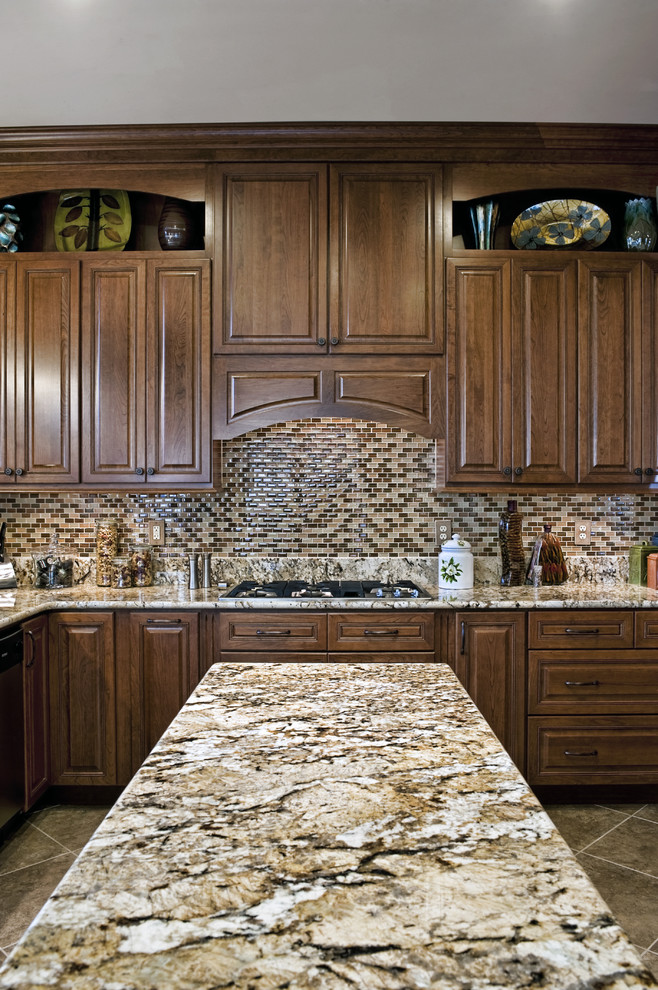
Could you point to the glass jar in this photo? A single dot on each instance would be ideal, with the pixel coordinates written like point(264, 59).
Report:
point(107, 541)
point(141, 563)
point(120, 573)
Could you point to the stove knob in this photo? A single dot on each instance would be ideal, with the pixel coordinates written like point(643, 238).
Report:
point(413, 592)
point(397, 592)
point(379, 592)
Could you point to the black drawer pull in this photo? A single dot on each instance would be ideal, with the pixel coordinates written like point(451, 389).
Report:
point(581, 632)
point(381, 632)
point(582, 683)
point(463, 642)
point(568, 752)
point(274, 632)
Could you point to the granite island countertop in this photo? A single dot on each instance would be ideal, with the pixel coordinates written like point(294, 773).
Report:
point(331, 827)
point(17, 605)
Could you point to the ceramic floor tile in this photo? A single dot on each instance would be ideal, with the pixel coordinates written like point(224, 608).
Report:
point(628, 809)
point(71, 825)
point(23, 893)
point(650, 960)
point(648, 812)
point(632, 897)
point(580, 824)
point(26, 847)
point(633, 844)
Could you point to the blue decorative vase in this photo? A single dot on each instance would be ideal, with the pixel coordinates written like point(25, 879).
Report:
point(640, 225)
point(10, 234)
point(484, 217)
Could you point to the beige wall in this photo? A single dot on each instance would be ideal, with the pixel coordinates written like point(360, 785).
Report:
point(154, 61)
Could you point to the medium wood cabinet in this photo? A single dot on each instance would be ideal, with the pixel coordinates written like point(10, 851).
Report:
point(490, 663)
point(146, 371)
point(511, 370)
point(83, 698)
point(36, 709)
point(365, 237)
point(39, 412)
point(158, 668)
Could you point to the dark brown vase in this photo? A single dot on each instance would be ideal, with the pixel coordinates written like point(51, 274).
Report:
point(176, 227)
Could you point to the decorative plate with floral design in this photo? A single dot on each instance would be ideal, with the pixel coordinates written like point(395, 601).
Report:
point(561, 223)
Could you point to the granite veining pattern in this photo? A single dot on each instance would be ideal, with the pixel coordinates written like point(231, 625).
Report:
point(326, 826)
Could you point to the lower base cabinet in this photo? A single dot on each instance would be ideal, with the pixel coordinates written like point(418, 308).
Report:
point(83, 735)
point(36, 709)
point(157, 670)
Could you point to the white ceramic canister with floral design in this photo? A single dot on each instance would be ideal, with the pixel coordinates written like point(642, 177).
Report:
point(456, 564)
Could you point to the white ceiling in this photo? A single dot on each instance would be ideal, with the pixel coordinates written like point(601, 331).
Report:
point(188, 61)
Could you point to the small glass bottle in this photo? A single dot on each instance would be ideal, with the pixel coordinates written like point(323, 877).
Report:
point(141, 563)
point(107, 542)
point(121, 574)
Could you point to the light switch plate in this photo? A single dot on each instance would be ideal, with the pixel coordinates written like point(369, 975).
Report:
point(582, 535)
point(156, 532)
point(443, 530)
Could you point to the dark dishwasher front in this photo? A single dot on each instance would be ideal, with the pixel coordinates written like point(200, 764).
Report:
point(12, 759)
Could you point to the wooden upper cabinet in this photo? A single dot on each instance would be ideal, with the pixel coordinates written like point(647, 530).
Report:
point(146, 371)
point(650, 372)
point(511, 371)
point(385, 259)
point(7, 372)
point(271, 280)
point(610, 370)
point(46, 383)
point(375, 229)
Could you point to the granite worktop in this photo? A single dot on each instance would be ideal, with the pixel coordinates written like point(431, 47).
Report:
point(17, 605)
point(349, 825)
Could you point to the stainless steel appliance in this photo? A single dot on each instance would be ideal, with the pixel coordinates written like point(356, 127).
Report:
point(12, 759)
point(327, 589)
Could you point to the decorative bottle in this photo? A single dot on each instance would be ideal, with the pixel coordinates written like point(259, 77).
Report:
point(510, 537)
point(553, 566)
point(639, 225)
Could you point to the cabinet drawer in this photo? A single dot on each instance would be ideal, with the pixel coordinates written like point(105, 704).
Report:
point(281, 632)
point(586, 630)
point(379, 657)
point(388, 631)
point(273, 656)
point(601, 682)
point(646, 628)
point(597, 750)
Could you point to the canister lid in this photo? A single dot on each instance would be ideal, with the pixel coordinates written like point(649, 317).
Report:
point(456, 543)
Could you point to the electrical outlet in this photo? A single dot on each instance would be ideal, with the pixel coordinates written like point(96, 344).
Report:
point(156, 532)
point(443, 530)
point(582, 532)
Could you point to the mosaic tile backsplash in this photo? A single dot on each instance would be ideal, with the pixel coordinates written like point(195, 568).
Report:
point(323, 488)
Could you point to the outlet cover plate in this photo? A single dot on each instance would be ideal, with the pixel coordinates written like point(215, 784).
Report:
point(443, 530)
point(156, 532)
point(582, 532)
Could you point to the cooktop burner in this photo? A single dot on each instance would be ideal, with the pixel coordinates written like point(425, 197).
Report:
point(326, 589)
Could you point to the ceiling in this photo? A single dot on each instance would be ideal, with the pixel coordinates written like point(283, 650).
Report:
point(189, 61)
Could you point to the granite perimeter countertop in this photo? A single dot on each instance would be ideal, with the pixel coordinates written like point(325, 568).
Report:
point(17, 605)
point(344, 826)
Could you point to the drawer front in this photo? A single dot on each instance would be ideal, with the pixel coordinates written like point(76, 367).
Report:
point(579, 683)
point(582, 630)
point(598, 750)
point(376, 631)
point(646, 628)
point(278, 631)
point(273, 656)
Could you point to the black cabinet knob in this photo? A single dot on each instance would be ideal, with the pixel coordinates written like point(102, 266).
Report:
point(8, 471)
point(638, 471)
point(322, 341)
point(507, 471)
point(650, 471)
point(150, 471)
point(139, 471)
point(19, 472)
point(334, 341)
point(518, 472)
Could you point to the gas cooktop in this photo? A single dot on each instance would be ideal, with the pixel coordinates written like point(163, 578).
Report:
point(326, 589)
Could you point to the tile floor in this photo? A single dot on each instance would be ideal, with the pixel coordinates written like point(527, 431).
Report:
point(616, 844)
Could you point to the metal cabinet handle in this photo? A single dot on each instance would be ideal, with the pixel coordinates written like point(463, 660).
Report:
point(8, 471)
point(163, 622)
point(139, 471)
point(150, 471)
point(518, 471)
point(322, 341)
point(381, 632)
point(637, 471)
point(649, 470)
point(581, 632)
point(334, 341)
point(30, 662)
point(582, 683)
point(593, 752)
point(274, 632)
point(507, 471)
point(463, 647)
point(19, 472)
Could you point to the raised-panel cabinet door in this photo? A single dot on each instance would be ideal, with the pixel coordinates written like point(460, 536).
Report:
point(386, 259)
point(82, 698)
point(178, 372)
point(162, 655)
point(35, 707)
point(271, 284)
point(113, 370)
point(544, 386)
point(610, 370)
point(7, 379)
point(47, 372)
point(650, 372)
point(478, 356)
point(490, 663)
